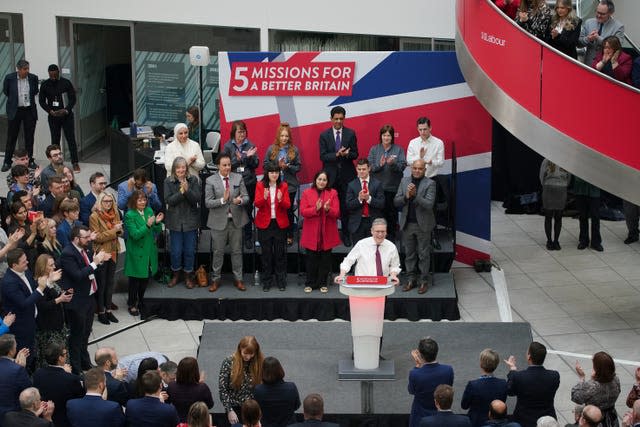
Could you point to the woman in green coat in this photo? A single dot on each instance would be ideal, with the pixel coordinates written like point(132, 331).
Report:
point(141, 260)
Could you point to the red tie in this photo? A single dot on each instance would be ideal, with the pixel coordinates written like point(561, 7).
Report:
point(365, 205)
point(378, 262)
point(94, 285)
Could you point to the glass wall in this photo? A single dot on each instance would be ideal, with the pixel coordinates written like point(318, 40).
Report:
point(166, 82)
point(11, 49)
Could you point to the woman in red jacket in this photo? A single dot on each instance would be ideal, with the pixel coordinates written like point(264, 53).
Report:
point(612, 61)
point(320, 208)
point(272, 221)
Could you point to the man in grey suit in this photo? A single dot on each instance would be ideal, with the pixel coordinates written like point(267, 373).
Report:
point(416, 195)
point(226, 197)
point(595, 30)
point(313, 409)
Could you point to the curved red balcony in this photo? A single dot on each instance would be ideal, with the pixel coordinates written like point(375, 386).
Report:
point(585, 121)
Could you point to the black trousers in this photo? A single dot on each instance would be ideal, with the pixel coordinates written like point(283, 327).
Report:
point(363, 230)
point(105, 275)
point(80, 322)
point(390, 215)
point(274, 258)
point(318, 268)
point(248, 228)
point(589, 209)
point(57, 125)
point(24, 116)
point(137, 288)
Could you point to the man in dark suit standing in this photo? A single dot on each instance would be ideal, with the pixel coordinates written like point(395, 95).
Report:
point(443, 399)
point(338, 149)
point(92, 410)
point(535, 387)
point(416, 195)
point(365, 200)
point(13, 376)
point(117, 389)
point(313, 408)
point(78, 276)
point(21, 88)
point(56, 382)
point(150, 410)
point(20, 293)
point(34, 413)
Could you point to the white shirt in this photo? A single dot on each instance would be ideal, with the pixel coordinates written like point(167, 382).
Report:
point(186, 150)
point(23, 92)
point(363, 255)
point(272, 200)
point(26, 282)
point(434, 153)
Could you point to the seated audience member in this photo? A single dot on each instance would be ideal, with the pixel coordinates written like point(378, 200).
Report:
point(387, 161)
point(591, 417)
point(21, 157)
point(182, 146)
point(251, 414)
point(70, 210)
point(547, 421)
point(613, 61)
point(118, 390)
point(443, 399)
point(635, 73)
point(150, 410)
point(577, 413)
point(20, 174)
point(313, 410)
point(97, 183)
point(634, 393)
point(48, 243)
point(56, 190)
point(239, 374)
point(138, 181)
point(424, 378)
point(277, 398)
point(565, 28)
point(534, 387)
point(34, 413)
point(13, 376)
point(601, 390)
point(498, 415)
point(146, 364)
point(18, 299)
point(509, 7)
point(92, 410)
point(54, 154)
point(479, 393)
point(535, 17)
point(168, 372)
point(632, 418)
point(595, 30)
point(56, 382)
point(188, 388)
point(131, 362)
point(6, 322)
point(198, 416)
point(50, 320)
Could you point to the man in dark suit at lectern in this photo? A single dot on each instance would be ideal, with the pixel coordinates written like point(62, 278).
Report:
point(338, 149)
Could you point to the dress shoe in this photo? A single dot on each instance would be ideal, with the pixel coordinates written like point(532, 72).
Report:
point(111, 317)
point(423, 288)
point(346, 240)
point(631, 239)
point(175, 278)
point(215, 284)
point(410, 285)
point(282, 287)
point(597, 247)
point(134, 311)
point(189, 282)
point(112, 306)
point(102, 318)
point(5, 167)
point(76, 167)
point(550, 245)
point(556, 246)
point(248, 244)
point(238, 284)
point(582, 245)
point(266, 288)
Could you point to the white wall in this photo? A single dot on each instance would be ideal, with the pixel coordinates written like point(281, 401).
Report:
point(415, 18)
point(628, 11)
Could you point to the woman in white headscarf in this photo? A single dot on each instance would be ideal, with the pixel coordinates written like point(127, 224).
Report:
point(182, 146)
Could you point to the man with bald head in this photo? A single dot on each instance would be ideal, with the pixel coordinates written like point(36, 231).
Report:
point(34, 413)
point(591, 416)
point(498, 415)
point(416, 195)
point(118, 390)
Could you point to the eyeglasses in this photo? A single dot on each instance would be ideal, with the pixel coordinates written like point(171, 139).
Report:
point(107, 201)
point(602, 13)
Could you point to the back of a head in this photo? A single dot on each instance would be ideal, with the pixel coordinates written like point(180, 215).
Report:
point(150, 382)
point(93, 378)
point(7, 344)
point(272, 371)
point(537, 352)
point(251, 412)
point(497, 410)
point(28, 398)
point(428, 348)
point(547, 421)
point(198, 415)
point(188, 371)
point(489, 360)
point(443, 395)
point(591, 416)
point(313, 407)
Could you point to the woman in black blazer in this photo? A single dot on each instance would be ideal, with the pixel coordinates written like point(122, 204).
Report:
point(278, 399)
point(50, 323)
point(565, 29)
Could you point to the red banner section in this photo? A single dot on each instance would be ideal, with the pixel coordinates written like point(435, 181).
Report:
point(292, 79)
point(366, 280)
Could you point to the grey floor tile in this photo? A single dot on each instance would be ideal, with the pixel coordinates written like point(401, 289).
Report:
point(593, 322)
point(567, 294)
point(556, 326)
point(533, 310)
point(519, 281)
point(613, 289)
point(597, 275)
point(172, 342)
point(619, 339)
point(159, 327)
point(580, 262)
point(578, 343)
point(546, 279)
point(590, 305)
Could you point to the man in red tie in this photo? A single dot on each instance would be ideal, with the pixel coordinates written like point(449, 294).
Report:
point(365, 201)
point(373, 256)
point(78, 277)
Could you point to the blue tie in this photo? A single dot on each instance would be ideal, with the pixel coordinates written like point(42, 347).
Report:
point(338, 141)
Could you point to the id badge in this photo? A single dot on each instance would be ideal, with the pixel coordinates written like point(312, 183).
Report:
point(240, 169)
point(55, 104)
point(25, 99)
